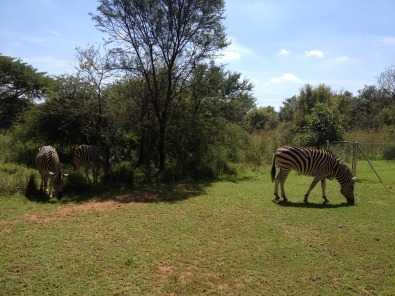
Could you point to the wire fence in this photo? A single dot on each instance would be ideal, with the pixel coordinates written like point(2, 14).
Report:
point(373, 151)
point(352, 152)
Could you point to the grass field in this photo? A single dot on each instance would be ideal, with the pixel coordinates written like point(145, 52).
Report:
point(223, 238)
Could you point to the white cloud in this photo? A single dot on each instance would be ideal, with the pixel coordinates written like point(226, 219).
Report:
point(314, 53)
point(389, 40)
point(285, 78)
point(283, 52)
point(235, 51)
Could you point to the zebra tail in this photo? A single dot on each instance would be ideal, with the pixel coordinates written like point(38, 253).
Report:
point(273, 171)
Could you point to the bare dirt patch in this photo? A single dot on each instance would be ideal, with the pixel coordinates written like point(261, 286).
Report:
point(137, 197)
point(70, 210)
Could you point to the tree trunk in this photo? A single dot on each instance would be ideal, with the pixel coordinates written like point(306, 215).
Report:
point(162, 146)
point(141, 159)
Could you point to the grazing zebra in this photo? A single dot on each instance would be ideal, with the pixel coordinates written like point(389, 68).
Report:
point(49, 166)
point(318, 163)
point(88, 156)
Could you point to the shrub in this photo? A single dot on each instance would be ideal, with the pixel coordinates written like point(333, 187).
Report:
point(76, 183)
point(123, 172)
point(389, 152)
point(32, 191)
point(14, 178)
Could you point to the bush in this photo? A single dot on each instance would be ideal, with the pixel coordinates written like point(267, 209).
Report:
point(14, 178)
point(123, 172)
point(76, 183)
point(32, 191)
point(389, 152)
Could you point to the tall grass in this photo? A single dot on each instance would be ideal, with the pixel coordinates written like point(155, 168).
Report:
point(14, 178)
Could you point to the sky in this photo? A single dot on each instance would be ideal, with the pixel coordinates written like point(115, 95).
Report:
point(279, 45)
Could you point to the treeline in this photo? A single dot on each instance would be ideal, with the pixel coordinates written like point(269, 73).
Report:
point(318, 113)
point(214, 125)
point(158, 105)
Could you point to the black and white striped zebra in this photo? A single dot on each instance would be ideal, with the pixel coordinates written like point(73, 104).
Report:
point(320, 164)
point(50, 169)
point(89, 157)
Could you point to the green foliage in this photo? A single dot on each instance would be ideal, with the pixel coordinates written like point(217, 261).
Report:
point(262, 118)
point(14, 178)
point(32, 191)
point(389, 152)
point(20, 85)
point(75, 183)
point(123, 173)
point(312, 117)
point(176, 37)
point(322, 125)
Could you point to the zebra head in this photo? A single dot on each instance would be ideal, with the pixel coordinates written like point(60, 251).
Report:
point(58, 182)
point(346, 181)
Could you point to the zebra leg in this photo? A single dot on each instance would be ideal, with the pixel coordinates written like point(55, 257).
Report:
point(276, 196)
point(42, 183)
point(323, 185)
point(50, 187)
point(283, 176)
point(86, 170)
point(45, 183)
point(306, 196)
point(276, 183)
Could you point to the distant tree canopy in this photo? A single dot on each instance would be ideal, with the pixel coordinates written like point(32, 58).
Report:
point(20, 85)
point(262, 118)
point(316, 115)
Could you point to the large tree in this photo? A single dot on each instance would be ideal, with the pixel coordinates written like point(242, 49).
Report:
point(20, 85)
point(162, 41)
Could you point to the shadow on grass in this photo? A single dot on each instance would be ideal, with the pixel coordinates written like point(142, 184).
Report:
point(292, 204)
point(236, 179)
point(143, 194)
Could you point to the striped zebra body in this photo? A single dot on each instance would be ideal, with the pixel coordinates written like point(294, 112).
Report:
point(318, 163)
point(87, 156)
point(49, 167)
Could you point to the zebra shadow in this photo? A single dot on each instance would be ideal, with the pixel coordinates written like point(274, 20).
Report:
point(310, 205)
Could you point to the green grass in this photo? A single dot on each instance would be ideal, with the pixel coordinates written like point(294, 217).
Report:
point(224, 238)
point(14, 178)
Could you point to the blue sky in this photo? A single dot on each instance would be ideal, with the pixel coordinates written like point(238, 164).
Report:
point(277, 44)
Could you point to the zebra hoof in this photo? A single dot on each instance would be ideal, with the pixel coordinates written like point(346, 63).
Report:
point(276, 197)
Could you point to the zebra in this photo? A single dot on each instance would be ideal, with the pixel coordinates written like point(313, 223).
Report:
point(90, 157)
point(50, 169)
point(320, 164)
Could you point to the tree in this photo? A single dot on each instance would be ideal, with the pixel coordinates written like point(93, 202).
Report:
point(386, 80)
point(20, 85)
point(94, 68)
point(162, 41)
point(322, 125)
point(262, 118)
